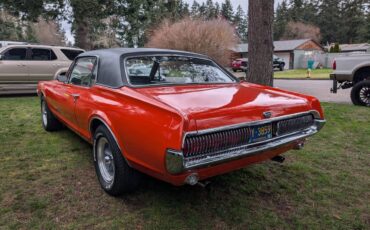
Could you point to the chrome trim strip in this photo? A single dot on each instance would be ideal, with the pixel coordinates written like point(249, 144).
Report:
point(240, 151)
point(250, 149)
point(315, 114)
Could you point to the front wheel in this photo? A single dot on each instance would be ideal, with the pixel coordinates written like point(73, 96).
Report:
point(115, 175)
point(360, 94)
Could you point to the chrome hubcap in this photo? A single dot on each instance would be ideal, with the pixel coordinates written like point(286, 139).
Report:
point(365, 95)
point(44, 113)
point(105, 161)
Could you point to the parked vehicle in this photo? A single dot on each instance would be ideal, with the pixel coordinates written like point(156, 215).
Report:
point(239, 64)
point(242, 64)
point(278, 63)
point(187, 120)
point(7, 43)
point(22, 66)
point(353, 72)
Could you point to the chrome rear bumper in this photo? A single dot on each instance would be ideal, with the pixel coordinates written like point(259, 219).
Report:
point(177, 163)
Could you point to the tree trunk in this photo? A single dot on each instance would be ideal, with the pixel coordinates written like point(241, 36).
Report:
point(260, 44)
point(82, 34)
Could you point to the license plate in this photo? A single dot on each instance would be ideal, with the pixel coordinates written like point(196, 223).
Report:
point(261, 132)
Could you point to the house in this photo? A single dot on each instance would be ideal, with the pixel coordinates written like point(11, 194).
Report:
point(294, 52)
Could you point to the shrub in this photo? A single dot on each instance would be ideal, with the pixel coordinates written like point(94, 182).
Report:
point(300, 30)
point(214, 37)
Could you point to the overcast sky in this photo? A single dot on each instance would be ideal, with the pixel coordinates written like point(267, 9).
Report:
point(235, 3)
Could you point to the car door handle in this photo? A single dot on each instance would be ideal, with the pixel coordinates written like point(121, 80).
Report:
point(75, 96)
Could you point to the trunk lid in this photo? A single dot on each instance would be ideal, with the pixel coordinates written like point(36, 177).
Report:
point(217, 105)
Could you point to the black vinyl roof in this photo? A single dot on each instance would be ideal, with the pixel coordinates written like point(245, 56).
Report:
point(131, 51)
point(110, 68)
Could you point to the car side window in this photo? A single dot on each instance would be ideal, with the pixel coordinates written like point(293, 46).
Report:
point(83, 72)
point(15, 54)
point(43, 55)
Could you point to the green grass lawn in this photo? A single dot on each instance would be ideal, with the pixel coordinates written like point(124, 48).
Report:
point(302, 73)
point(48, 180)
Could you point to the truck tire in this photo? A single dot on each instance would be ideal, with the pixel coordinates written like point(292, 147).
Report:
point(360, 93)
point(116, 177)
point(361, 75)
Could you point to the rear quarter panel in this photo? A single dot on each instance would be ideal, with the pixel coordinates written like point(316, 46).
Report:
point(143, 127)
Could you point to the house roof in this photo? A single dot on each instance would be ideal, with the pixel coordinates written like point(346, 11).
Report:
point(287, 45)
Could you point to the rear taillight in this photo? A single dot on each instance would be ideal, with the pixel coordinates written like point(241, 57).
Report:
point(334, 65)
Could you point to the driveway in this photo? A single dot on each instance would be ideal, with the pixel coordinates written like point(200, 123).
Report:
point(316, 88)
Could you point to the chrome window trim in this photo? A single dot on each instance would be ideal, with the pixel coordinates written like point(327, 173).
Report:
point(96, 66)
point(172, 84)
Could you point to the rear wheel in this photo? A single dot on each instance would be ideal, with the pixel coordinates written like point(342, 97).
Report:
point(360, 94)
point(115, 175)
point(49, 121)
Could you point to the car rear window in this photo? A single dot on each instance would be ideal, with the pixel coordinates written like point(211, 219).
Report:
point(71, 54)
point(152, 70)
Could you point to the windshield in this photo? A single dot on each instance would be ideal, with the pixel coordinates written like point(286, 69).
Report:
point(151, 70)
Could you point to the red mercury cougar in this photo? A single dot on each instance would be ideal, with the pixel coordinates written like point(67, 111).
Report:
point(176, 116)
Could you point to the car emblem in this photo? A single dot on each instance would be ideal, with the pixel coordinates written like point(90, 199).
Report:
point(267, 114)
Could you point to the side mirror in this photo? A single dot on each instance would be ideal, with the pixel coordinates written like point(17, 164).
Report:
point(62, 78)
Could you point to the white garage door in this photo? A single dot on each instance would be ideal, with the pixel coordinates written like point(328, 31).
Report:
point(285, 57)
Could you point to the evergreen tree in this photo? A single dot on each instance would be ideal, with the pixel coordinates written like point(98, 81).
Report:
point(281, 20)
point(195, 9)
point(353, 20)
point(296, 10)
point(330, 21)
point(203, 11)
point(183, 9)
point(210, 10)
point(309, 11)
point(241, 23)
point(217, 9)
point(31, 10)
point(365, 35)
point(227, 10)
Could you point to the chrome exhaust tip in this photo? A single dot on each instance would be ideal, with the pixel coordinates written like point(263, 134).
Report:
point(299, 146)
point(192, 179)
